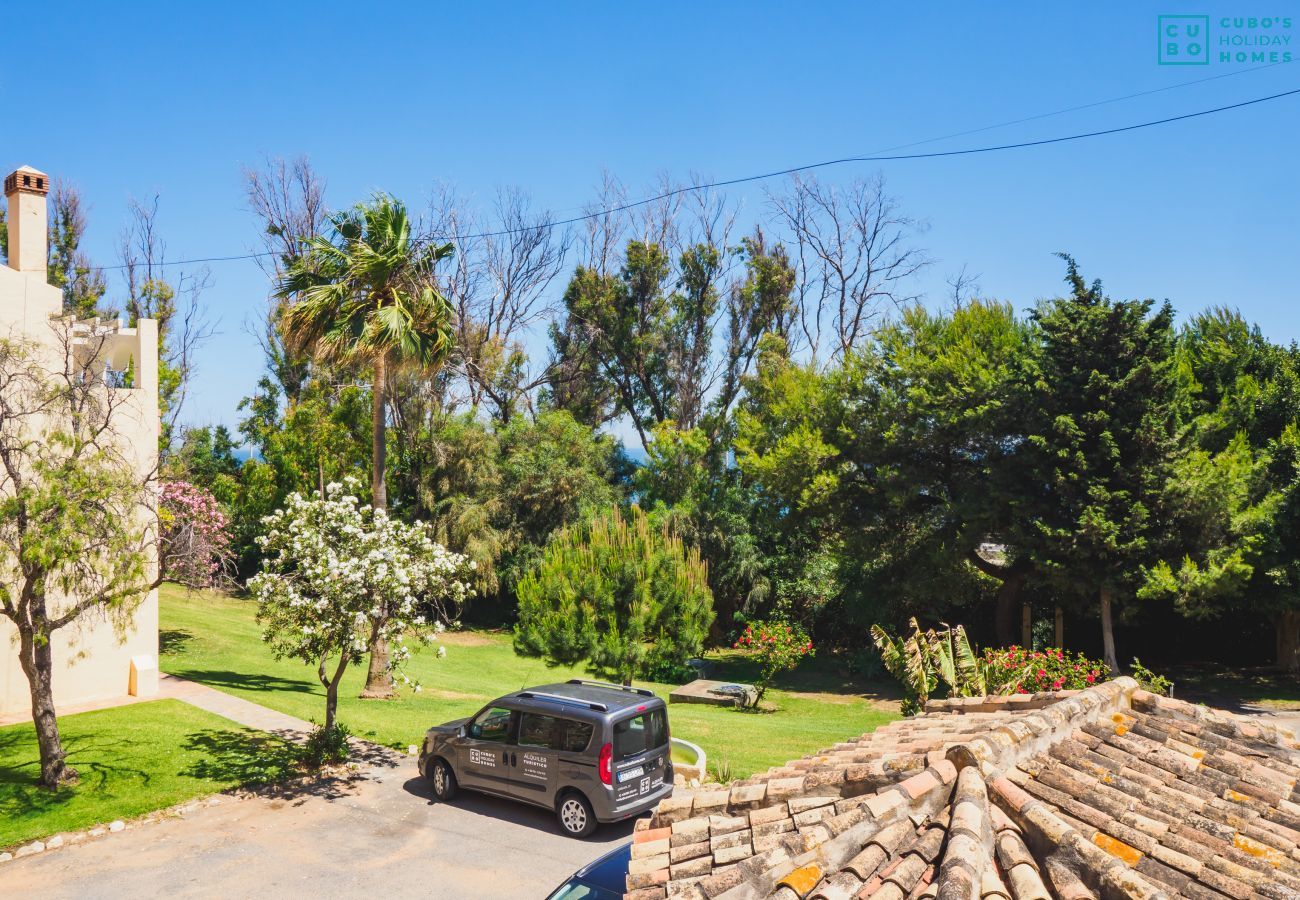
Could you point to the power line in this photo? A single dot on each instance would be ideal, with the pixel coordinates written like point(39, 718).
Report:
point(1069, 109)
point(968, 151)
point(937, 154)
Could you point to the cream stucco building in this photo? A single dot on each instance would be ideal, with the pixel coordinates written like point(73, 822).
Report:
point(92, 661)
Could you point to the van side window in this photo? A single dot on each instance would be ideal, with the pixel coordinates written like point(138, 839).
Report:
point(572, 737)
point(535, 730)
point(648, 731)
point(551, 733)
point(492, 724)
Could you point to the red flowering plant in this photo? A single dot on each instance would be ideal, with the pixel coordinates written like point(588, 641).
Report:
point(1015, 670)
point(776, 646)
point(195, 536)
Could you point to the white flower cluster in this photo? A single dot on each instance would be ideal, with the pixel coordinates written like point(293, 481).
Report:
point(335, 570)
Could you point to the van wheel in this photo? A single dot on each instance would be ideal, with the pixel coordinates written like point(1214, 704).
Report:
point(444, 780)
point(575, 815)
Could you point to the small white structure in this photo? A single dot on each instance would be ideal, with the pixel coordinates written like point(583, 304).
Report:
point(91, 662)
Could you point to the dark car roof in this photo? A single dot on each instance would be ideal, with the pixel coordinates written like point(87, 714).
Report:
point(610, 871)
point(614, 699)
point(606, 877)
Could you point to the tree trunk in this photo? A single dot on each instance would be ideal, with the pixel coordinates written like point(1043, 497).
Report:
point(38, 665)
point(379, 681)
point(1058, 631)
point(1288, 641)
point(332, 688)
point(1026, 624)
point(1006, 612)
point(331, 705)
point(379, 446)
point(1013, 579)
point(1108, 632)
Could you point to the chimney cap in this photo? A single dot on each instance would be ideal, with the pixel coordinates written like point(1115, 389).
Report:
point(27, 180)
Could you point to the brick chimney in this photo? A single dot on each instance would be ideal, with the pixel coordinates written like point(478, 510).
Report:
point(28, 223)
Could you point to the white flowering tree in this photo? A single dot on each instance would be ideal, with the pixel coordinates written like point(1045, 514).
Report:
point(332, 565)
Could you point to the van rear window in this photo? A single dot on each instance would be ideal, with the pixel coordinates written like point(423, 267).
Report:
point(648, 731)
point(572, 737)
point(551, 733)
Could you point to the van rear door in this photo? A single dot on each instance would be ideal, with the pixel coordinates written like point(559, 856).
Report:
point(640, 753)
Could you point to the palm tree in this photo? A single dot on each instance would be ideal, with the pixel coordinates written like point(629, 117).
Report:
point(362, 296)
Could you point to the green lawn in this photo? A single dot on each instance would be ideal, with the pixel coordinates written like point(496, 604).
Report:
point(214, 639)
point(132, 760)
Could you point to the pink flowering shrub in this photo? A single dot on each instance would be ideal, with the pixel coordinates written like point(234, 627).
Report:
point(195, 536)
point(777, 647)
point(1015, 670)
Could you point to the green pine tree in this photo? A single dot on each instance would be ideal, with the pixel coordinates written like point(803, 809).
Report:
point(1101, 441)
point(617, 593)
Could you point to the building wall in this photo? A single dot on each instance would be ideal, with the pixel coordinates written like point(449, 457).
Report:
point(92, 657)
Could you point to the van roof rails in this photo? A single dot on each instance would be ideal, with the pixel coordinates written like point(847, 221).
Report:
point(644, 692)
point(572, 701)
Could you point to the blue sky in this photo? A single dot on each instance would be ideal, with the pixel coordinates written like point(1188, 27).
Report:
point(130, 99)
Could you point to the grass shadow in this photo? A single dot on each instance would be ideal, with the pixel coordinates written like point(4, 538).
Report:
point(242, 757)
point(248, 681)
point(20, 790)
point(173, 640)
point(272, 764)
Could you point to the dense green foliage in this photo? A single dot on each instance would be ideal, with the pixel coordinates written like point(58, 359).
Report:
point(619, 594)
point(838, 455)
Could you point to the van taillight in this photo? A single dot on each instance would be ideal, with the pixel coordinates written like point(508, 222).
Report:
point(606, 765)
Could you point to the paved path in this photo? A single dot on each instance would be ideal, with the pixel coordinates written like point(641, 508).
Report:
point(378, 833)
point(245, 712)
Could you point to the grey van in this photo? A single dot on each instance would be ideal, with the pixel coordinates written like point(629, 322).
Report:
point(591, 751)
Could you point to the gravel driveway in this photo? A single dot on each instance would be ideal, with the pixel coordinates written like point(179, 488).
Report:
point(381, 834)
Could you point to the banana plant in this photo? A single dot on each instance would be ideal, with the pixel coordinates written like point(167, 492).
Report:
point(907, 659)
point(922, 659)
point(955, 661)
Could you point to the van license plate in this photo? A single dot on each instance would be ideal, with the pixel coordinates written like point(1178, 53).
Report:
point(629, 774)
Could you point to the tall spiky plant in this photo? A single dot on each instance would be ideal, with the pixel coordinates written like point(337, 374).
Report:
point(922, 659)
point(362, 296)
point(955, 662)
point(907, 659)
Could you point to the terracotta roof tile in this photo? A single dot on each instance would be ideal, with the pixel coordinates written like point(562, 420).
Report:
point(1110, 792)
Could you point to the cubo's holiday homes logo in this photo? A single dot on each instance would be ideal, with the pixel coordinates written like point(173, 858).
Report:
point(1188, 40)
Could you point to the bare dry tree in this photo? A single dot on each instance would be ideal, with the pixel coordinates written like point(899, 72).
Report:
point(462, 281)
point(177, 304)
point(288, 199)
point(519, 268)
point(962, 286)
point(659, 221)
point(602, 245)
point(854, 258)
point(498, 284)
